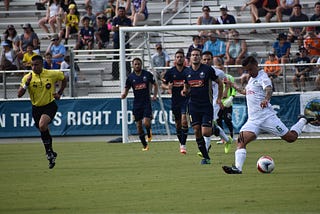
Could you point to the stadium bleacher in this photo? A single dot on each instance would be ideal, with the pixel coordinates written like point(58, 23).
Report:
point(96, 79)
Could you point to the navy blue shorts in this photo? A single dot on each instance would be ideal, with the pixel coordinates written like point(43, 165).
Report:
point(49, 109)
point(178, 110)
point(201, 116)
point(140, 113)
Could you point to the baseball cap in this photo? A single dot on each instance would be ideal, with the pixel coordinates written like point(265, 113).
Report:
point(26, 25)
point(10, 27)
point(223, 7)
point(72, 6)
point(158, 45)
point(55, 37)
point(271, 54)
point(102, 16)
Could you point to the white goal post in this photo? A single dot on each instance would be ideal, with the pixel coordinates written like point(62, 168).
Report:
point(172, 28)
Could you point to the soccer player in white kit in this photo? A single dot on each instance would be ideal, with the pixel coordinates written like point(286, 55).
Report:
point(261, 116)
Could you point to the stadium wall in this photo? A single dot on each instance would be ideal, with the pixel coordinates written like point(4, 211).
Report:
point(103, 116)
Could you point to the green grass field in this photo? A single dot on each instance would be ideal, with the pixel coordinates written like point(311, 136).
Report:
point(92, 178)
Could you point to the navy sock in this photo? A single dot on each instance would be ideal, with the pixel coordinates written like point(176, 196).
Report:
point(184, 135)
point(143, 140)
point(179, 135)
point(202, 147)
point(47, 141)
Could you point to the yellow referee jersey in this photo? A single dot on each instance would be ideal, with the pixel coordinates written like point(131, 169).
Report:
point(42, 86)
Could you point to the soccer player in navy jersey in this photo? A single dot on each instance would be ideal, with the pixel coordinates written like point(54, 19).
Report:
point(198, 85)
point(139, 80)
point(173, 82)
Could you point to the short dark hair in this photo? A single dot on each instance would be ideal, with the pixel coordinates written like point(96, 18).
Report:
point(179, 52)
point(297, 5)
point(249, 60)
point(36, 58)
point(121, 8)
point(207, 53)
point(197, 49)
point(137, 58)
point(317, 3)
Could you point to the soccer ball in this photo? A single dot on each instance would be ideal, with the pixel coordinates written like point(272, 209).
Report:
point(265, 164)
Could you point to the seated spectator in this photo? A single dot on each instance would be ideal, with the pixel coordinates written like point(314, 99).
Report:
point(98, 6)
point(64, 9)
point(205, 19)
point(160, 59)
point(57, 50)
point(224, 19)
point(269, 9)
point(52, 17)
point(297, 32)
point(195, 44)
point(236, 49)
point(302, 72)
point(85, 35)
point(103, 33)
point(285, 8)
point(48, 63)
point(91, 15)
point(312, 44)
point(255, 9)
point(216, 46)
point(139, 11)
point(316, 15)
point(272, 71)
point(11, 35)
point(29, 37)
point(27, 56)
point(281, 48)
point(8, 58)
point(126, 4)
point(71, 22)
point(110, 10)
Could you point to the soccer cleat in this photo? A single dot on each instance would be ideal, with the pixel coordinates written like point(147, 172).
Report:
point(183, 149)
point(146, 148)
point(149, 137)
point(205, 161)
point(200, 154)
point(231, 170)
point(227, 145)
point(52, 159)
point(308, 119)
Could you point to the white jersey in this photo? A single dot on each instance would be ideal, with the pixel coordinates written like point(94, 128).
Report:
point(215, 88)
point(255, 94)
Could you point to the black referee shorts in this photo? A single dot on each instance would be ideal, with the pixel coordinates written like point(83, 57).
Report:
point(49, 109)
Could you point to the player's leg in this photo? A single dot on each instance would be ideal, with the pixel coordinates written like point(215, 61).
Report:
point(147, 114)
point(138, 116)
point(296, 129)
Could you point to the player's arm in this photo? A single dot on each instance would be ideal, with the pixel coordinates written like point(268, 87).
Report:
point(23, 88)
point(220, 91)
point(124, 94)
point(238, 88)
point(185, 90)
point(58, 95)
point(268, 96)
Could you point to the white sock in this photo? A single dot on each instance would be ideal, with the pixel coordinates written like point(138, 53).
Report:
point(222, 134)
point(299, 126)
point(240, 157)
point(207, 140)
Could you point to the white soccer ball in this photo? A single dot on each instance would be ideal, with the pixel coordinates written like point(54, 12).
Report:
point(265, 164)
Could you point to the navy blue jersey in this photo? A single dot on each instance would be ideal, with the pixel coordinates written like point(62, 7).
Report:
point(177, 79)
point(141, 87)
point(200, 82)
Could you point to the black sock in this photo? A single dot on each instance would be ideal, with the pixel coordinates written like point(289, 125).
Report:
point(143, 140)
point(148, 132)
point(47, 141)
point(184, 135)
point(179, 135)
point(202, 147)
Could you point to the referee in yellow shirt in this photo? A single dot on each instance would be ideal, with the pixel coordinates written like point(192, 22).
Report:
point(40, 83)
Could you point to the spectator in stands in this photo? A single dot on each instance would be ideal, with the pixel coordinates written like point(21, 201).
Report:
point(312, 44)
point(205, 19)
point(85, 35)
point(195, 44)
point(269, 9)
point(302, 72)
point(12, 35)
point(98, 6)
point(72, 23)
point(57, 49)
point(316, 15)
point(255, 11)
point(175, 9)
point(160, 59)
point(281, 48)
point(317, 81)
point(124, 3)
point(92, 16)
point(285, 8)
point(64, 9)
point(52, 17)
point(225, 18)
point(27, 56)
point(8, 58)
point(103, 33)
point(6, 5)
point(216, 46)
point(297, 32)
point(236, 49)
point(110, 10)
point(29, 37)
point(272, 71)
point(139, 11)
point(118, 21)
point(48, 63)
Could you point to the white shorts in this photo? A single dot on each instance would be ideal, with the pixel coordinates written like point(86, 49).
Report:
point(272, 125)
